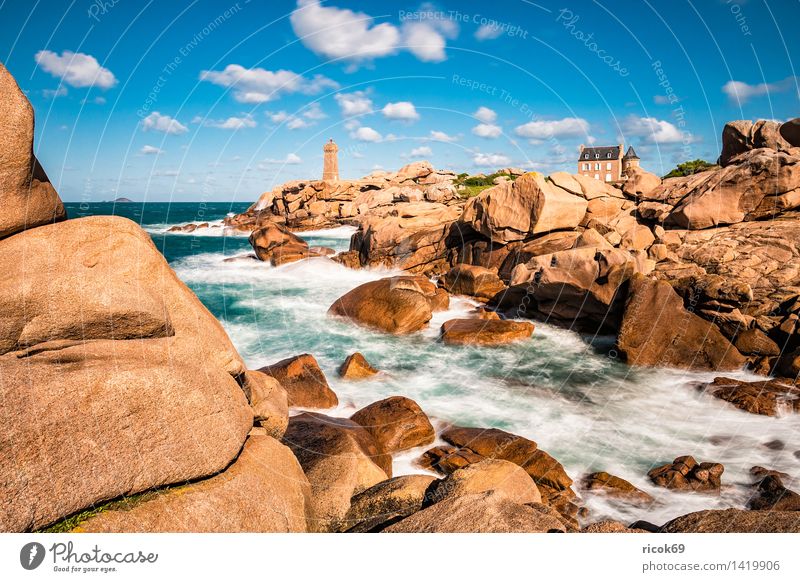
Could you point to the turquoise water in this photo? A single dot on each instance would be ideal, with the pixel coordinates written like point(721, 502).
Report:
point(588, 410)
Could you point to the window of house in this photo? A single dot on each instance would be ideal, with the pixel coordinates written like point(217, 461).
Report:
point(608, 177)
point(608, 166)
point(597, 156)
point(597, 166)
point(585, 156)
point(608, 155)
point(597, 176)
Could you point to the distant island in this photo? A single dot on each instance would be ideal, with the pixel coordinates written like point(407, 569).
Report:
point(123, 200)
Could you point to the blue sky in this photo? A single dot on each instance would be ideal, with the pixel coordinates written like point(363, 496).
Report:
point(221, 100)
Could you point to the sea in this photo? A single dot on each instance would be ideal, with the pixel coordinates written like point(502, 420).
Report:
point(576, 400)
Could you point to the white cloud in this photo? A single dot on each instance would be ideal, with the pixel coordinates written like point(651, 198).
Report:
point(291, 121)
point(290, 159)
point(315, 112)
point(148, 150)
point(260, 85)
point(339, 33)
point(77, 69)
point(366, 134)
point(163, 123)
point(490, 160)
point(488, 31)
point(487, 130)
point(442, 136)
point(427, 40)
point(485, 115)
point(740, 92)
point(404, 110)
point(421, 152)
point(541, 130)
point(53, 93)
point(233, 122)
point(356, 103)
point(651, 130)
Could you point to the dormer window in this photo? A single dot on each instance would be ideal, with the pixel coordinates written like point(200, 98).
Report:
point(597, 156)
point(609, 155)
point(585, 156)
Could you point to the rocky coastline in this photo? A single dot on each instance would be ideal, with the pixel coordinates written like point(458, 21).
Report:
point(128, 409)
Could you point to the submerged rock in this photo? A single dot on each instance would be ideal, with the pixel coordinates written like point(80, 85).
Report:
point(402, 304)
point(485, 332)
point(767, 397)
point(615, 488)
point(356, 367)
point(686, 473)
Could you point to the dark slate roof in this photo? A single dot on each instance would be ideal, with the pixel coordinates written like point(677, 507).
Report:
point(602, 150)
point(631, 154)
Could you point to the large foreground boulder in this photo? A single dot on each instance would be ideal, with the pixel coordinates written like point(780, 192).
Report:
point(742, 135)
point(513, 211)
point(387, 502)
point(88, 416)
point(304, 382)
point(488, 475)
point(264, 490)
point(401, 304)
point(340, 458)
point(657, 330)
point(735, 521)
point(27, 198)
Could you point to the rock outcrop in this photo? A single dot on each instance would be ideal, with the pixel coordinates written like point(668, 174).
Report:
point(387, 502)
point(658, 331)
point(264, 490)
point(472, 280)
point(27, 199)
point(767, 397)
point(268, 400)
point(616, 488)
point(741, 136)
point(514, 211)
point(166, 407)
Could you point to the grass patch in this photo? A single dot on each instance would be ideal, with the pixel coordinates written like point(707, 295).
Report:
point(69, 523)
point(474, 185)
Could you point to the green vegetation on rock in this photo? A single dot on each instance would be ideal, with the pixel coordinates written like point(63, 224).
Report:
point(689, 168)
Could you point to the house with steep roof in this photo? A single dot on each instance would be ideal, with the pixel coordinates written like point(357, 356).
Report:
point(606, 163)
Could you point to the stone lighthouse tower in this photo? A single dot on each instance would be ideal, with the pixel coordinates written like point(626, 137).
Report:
point(330, 166)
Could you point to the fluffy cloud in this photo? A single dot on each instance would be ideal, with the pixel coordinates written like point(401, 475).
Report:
point(260, 85)
point(488, 31)
point(149, 150)
point(366, 134)
point(420, 152)
point(442, 136)
point(404, 110)
point(53, 93)
point(740, 92)
point(490, 160)
point(291, 121)
point(339, 33)
point(163, 123)
point(487, 130)
point(233, 122)
point(540, 130)
point(485, 115)
point(651, 130)
point(427, 40)
point(356, 103)
point(77, 69)
point(315, 112)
